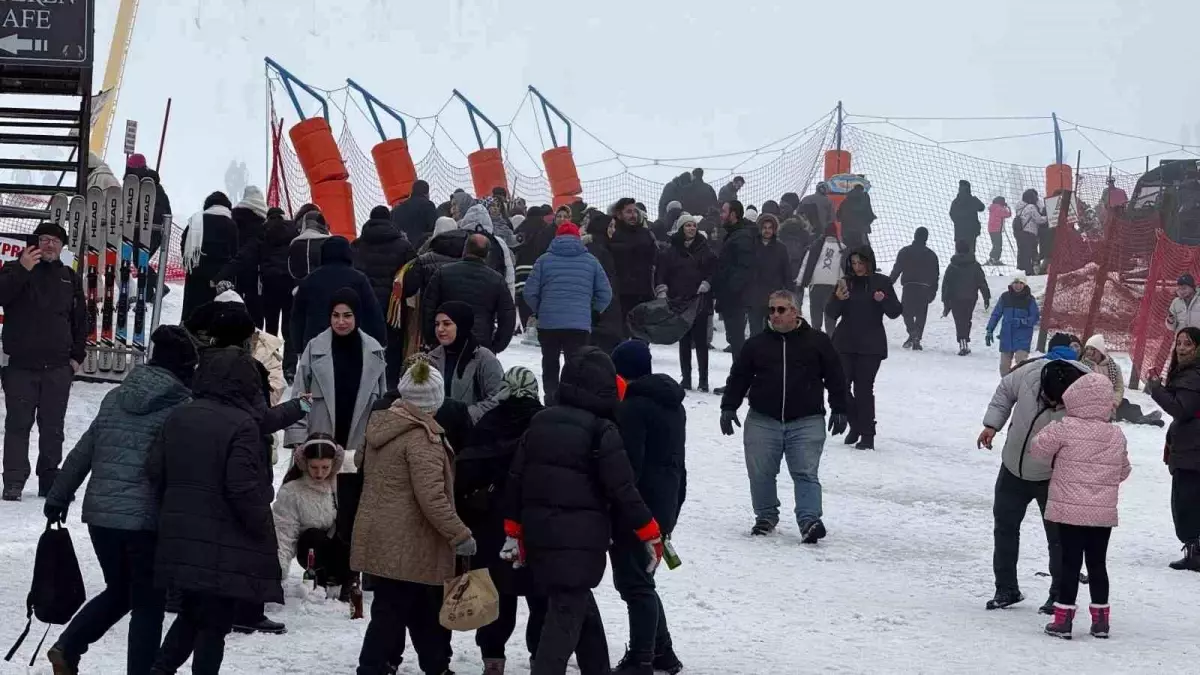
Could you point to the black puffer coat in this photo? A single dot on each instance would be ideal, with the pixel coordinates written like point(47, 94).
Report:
point(216, 532)
point(785, 375)
point(415, 217)
point(736, 264)
point(1179, 397)
point(480, 480)
point(470, 280)
point(379, 252)
point(965, 280)
point(771, 266)
point(633, 250)
point(683, 268)
point(860, 317)
point(310, 307)
point(607, 326)
point(278, 234)
point(570, 477)
point(856, 214)
point(794, 234)
point(441, 250)
point(653, 427)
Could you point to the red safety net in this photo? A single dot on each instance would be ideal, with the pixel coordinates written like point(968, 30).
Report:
point(1152, 338)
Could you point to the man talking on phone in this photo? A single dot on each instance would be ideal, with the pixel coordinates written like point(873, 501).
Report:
point(45, 326)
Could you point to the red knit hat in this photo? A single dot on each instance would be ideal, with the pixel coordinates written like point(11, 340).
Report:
point(567, 228)
point(136, 161)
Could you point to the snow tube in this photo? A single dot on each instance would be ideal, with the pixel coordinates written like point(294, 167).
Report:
point(662, 321)
point(1058, 177)
point(487, 171)
point(317, 151)
point(397, 173)
point(335, 198)
point(836, 161)
point(560, 169)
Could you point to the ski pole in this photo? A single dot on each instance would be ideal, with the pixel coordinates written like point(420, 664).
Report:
point(162, 141)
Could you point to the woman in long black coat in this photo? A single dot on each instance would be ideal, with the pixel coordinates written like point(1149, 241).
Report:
point(607, 326)
point(685, 270)
point(479, 484)
point(208, 244)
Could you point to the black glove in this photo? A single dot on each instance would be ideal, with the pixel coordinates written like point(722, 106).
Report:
point(838, 424)
point(946, 311)
point(728, 419)
point(987, 339)
point(55, 514)
point(987, 304)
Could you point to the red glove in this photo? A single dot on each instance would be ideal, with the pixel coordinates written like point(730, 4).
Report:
point(651, 536)
point(514, 544)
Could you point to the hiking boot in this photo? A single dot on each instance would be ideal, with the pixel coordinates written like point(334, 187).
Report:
point(813, 532)
point(266, 626)
point(63, 665)
point(1190, 560)
point(1060, 627)
point(1047, 607)
point(865, 443)
point(963, 349)
point(852, 437)
point(12, 493)
point(667, 662)
point(1005, 597)
point(916, 346)
point(762, 527)
point(908, 343)
point(1100, 618)
point(686, 382)
point(633, 665)
point(493, 667)
point(703, 386)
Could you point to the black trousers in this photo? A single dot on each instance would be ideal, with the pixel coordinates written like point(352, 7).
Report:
point(696, 338)
point(1008, 510)
point(30, 395)
point(1185, 504)
point(1026, 251)
point(648, 633)
point(860, 371)
point(915, 303)
point(394, 356)
point(1045, 244)
point(757, 316)
point(573, 625)
point(855, 239)
point(735, 327)
point(1079, 543)
point(126, 559)
point(818, 298)
point(199, 632)
point(331, 556)
point(493, 637)
point(400, 606)
point(962, 310)
point(997, 245)
point(277, 317)
point(555, 342)
point(971, 243)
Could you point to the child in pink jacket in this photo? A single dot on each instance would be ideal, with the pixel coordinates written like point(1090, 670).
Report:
point(998, 212)
point(1090, 462)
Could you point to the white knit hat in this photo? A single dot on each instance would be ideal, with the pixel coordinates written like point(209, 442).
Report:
point(230, 296)
point(1097, 342)
point(422, 386)
point(252, 198)
point(443, 225)
point(517, 221)
point(684, 219)
point(752, 215)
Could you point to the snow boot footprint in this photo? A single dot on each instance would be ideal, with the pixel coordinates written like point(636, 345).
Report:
point(1064, 616)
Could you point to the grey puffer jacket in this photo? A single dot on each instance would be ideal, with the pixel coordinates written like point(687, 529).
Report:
point(481, 380)
point(1018, 400)
point(114, 450)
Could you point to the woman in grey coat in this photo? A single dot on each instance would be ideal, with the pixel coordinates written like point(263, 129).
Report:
point(473, 375)
point(344, 369)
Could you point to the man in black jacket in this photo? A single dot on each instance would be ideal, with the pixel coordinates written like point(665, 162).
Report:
point(653, 427)
point(772, 263)
point(416, 216)
point(310, 309)
point(735, 273)
point(964, 213)
point(379, 252)
point(470, 280)
point(784, 371)
point(277, 282)
point(569, 483)
point(45, 325)
point(634, 251)
point(917, 268)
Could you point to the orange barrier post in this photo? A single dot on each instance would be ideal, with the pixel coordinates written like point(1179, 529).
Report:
point(836, 162)
point(317, 151)
point(397, 173)
point(335, 198)
point(487, 171)
point(562, 174)
point(1059, 177)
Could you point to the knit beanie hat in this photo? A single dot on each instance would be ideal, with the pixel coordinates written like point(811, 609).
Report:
point(1097, 342)
point(136, 161)
point(381, 213)
point(519, 382)
point(632, 359)
point(173, 350)
point(345, 296)
point(230, 296)
point(517, 220)
point(1062, 340)
point(751, 215)
point(217, 199)
point(51, 230)
point(252, 198)
point(422, 386)
point(1186, 280)
point(444, 224)
point(567, 228)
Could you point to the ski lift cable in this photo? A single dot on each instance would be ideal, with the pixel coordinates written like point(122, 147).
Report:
point(1000, 118)
point(1093, 144)
point(1132, 136)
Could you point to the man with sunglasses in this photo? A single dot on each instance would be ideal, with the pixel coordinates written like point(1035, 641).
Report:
point(45, 325)
point(784, 371)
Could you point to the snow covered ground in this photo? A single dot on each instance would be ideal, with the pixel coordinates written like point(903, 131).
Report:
point(897, 587)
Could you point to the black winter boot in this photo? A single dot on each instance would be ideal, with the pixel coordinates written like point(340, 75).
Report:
point(1191, 558)
point(703, 386)
point(667, 662)
point(1048, 606)
point(852, 437)
point(633, 665)
point(762, 527)
point(12, 493)
point(916, 346)
point(813, 532)
point(865, 443)
point(686, 382)
point(909, 342)
point(1005, 597)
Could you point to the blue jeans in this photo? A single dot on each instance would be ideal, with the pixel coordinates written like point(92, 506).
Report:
point(767, 442)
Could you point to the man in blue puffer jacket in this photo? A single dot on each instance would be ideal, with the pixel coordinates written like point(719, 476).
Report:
point(566, 285)
point(1017, 314)
point(120, 505)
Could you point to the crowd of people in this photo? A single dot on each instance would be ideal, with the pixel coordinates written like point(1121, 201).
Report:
point(413, 455)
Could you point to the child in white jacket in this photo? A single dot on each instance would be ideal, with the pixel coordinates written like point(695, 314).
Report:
point(306, 512)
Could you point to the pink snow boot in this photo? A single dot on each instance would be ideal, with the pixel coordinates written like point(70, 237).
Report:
point(1064, 615)
point(1100, 618)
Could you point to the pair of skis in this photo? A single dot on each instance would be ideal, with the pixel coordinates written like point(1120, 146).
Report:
point(113, 226)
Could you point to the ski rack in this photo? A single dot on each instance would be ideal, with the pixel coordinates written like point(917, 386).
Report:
point(547, 108)
point(372, 101)
point(288, 80)
point(474, 113)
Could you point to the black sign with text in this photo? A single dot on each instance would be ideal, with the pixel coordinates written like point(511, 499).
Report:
point(46, 32)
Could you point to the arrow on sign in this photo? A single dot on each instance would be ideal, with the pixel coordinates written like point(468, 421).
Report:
point(14, 44)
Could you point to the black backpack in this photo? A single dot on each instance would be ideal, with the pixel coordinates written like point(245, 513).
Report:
point(1057, 376)
point(57, 591)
